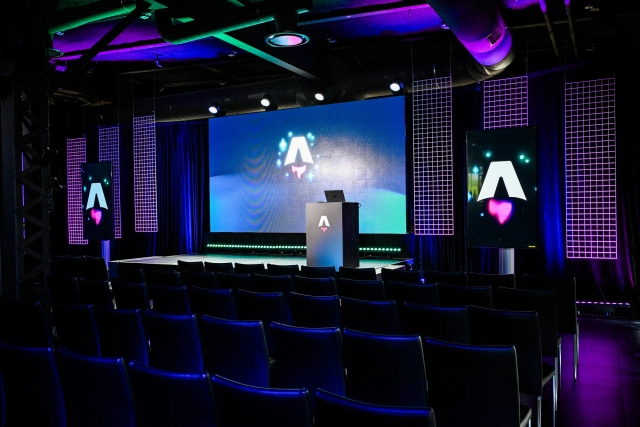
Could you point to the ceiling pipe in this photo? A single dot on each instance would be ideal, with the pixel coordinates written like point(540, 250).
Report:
point(77, 16)
point(543, 8)
point(572, 33)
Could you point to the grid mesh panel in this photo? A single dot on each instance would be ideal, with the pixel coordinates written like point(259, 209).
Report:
point(506, 103)
point(144, 174)
point(432, 157)
point(590, 162)
point(76, 155)
point(109, 151)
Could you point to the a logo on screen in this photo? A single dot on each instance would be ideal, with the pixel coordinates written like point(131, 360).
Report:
point(298, 157)
point(96, 192)
point(501, 209)
point(324, 223)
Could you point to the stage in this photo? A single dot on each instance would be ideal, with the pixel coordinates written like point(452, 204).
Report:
point(168, 262)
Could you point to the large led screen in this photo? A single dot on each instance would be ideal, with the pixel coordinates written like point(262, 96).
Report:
point(502, 200)
point(265, 167)
point(97, 201)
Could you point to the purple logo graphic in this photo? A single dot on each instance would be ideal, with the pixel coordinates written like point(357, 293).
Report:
point(500, 209)
point(298, 171)
point(96, 215)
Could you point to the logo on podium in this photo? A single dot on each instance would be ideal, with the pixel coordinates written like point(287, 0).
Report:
point(324, 223)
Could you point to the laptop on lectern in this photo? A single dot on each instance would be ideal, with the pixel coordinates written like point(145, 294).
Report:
point(334, 195)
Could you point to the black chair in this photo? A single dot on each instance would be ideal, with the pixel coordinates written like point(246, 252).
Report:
point(60, 267)
point(401, 292)
point(317, 272)
point(283, 270)
point(96, 292)
point(309, 311)
point(334, 410)
point(234, 281)
point(122, 334)
point(243, 268)
point(236, 349)
point(64, 289)
point(309, 358)
point(400, 275)
point(267, 283)
point(169, 299)
point(372, 290)
point(162, 277)
point(192, 266)
point(474, 385)
point(176, 399)
point(522, 330)
point(317, 286)
point(24, 324)
point(201, 280)
point(77, 266)
point(454, 295)
point(375, 317)
point(241, 405)
point(96, 390)
point(449, 277)
point(130, 295)
point(34, 396)
point(267, 307)
point(218, 267)
point(212, 302)
point(360, 273)
point(75, 328)
point(441, 323)
point(174, 341)
point(96, 268)
point(565, 288)
point(129, 272)
point(385, 369)
point(493, 280)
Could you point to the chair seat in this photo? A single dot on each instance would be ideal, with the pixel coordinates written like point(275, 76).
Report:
point(525, 415)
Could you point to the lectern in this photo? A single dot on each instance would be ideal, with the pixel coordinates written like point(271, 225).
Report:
point(333, 234)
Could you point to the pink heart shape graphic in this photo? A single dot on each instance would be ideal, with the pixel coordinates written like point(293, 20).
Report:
point(501, 210)
point(324, 229)
point(96, 215)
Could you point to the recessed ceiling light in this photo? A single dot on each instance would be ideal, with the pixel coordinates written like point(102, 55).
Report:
point(286, 39)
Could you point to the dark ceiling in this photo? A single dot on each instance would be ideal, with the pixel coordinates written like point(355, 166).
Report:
point(175, 49)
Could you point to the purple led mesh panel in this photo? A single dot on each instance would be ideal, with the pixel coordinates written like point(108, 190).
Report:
point(590, 164)
point(145, 197)
point(432, 157)
point(109, 151)
point(506, 103)
point(76, 155)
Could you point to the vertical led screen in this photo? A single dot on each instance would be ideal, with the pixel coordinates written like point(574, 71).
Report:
point(502, 202)
point(265, 167)
point(97, 201)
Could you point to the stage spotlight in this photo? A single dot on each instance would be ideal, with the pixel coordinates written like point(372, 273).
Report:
point(396, 85)
point(268, 103)
point(319, 96)
point(216, 109)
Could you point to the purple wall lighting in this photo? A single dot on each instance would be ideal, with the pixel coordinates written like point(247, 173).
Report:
point(109, 151)
point(590, 165)
point(432, 157)
point(145, 195)
point(76, 155)
point(506, 103)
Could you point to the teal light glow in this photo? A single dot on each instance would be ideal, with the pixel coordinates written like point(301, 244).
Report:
point(487, 154)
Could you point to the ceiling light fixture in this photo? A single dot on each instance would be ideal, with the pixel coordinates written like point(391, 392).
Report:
point(286, 39)
point(319, 96)
point(396, 85)
point(216, 109)
point(268, 103)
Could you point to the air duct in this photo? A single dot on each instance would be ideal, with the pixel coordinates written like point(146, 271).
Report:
point(75, 17)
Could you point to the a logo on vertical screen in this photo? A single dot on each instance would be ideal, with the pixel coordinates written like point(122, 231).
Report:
point(96, 192)
point(501, 210)
point(324, 223)
point(298, 160)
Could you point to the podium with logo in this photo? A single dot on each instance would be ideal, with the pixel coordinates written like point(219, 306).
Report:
point(333, 234)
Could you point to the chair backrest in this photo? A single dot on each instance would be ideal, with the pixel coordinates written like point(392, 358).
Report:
point(241, 405)
point(401, 292)
point(441, 323)
point(96, 292)
point(518, 328)
point(77, 266)
point(308, 358)
point(169, 299)
point(372, 290)
point(219, 267)
point(127, 272)
point(400, 275)
point(454, 295)
point(174, 341)
point(24, 324)
point(384, 369)
point(449, 277)
point(109, 402)
point(175, 399)
point(493, 280)
point(63, 289)
point(201, 280)
point(283, 270)
point(234, 281)
point(317, 271)
point(267, 307)
point(473, 385)
point(543, 302)
point(130, 295)
point(360, 273)
point(267, 283)
point(96, 268)
point(162, 277)
point(334, 410)
point(212, 302)
point(318, 286)
point(192, 266)
point(60, 266)
point(565, 288)
point(243, 268)
point(309, 311)
point(375, 317)
point(236, 349)
point(122, 334)
point(31, 379)
point(76, 328)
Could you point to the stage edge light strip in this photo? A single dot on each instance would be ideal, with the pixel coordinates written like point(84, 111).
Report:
point(76, 155)
point(145, 193)
point(109, 151)
point(232, 246)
